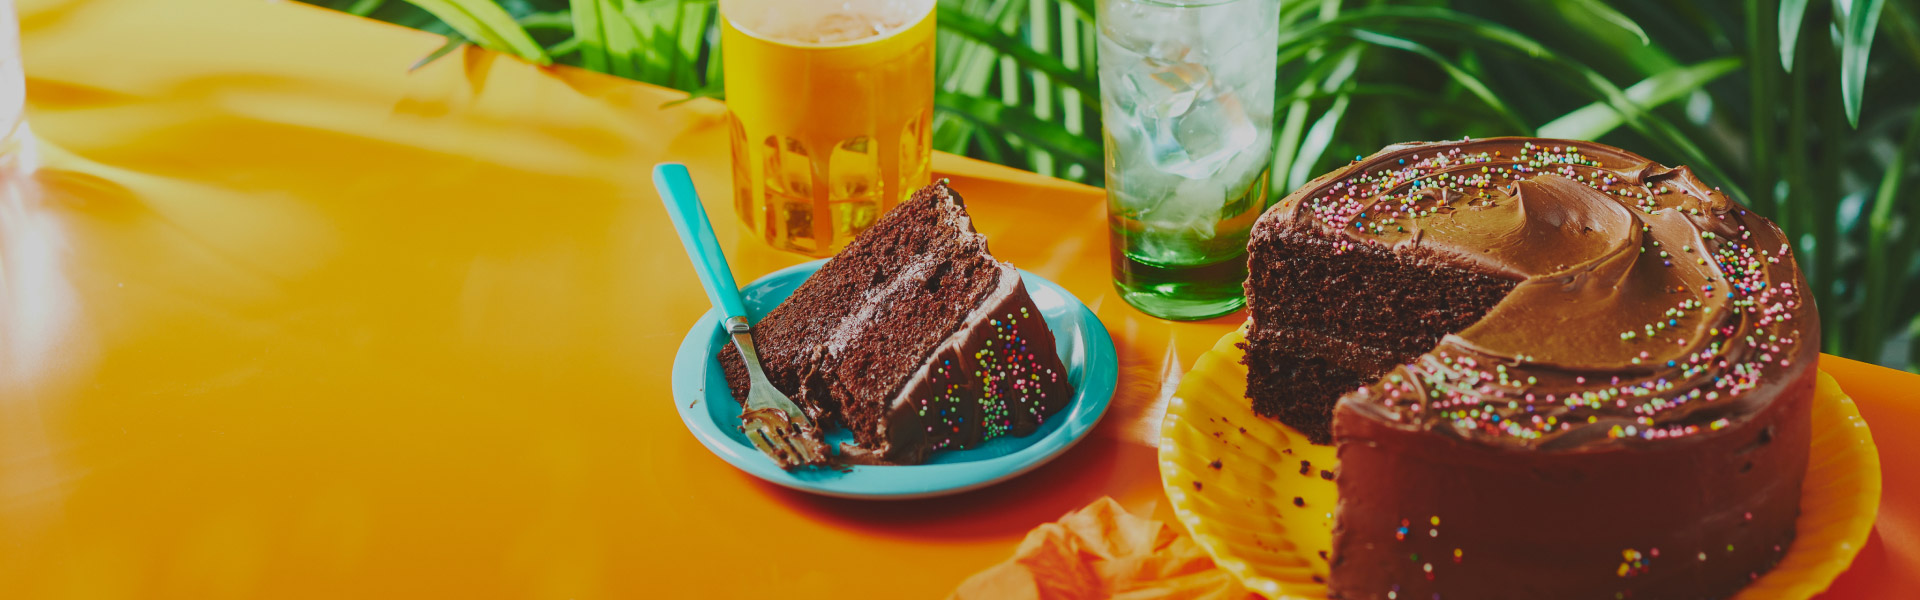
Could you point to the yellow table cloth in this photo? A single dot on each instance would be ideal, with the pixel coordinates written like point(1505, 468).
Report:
point(280, 318)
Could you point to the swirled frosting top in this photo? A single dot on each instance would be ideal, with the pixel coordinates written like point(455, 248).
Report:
point(1648, 306)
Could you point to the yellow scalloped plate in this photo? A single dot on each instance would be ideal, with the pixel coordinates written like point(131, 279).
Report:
point(1235, 482)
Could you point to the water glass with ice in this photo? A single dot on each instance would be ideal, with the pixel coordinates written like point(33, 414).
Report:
point(1186, 94)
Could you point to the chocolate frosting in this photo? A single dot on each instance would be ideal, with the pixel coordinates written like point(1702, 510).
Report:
point(1648, 304)
point(997, 375)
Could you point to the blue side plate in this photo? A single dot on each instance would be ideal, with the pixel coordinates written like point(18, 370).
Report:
point(700, 392)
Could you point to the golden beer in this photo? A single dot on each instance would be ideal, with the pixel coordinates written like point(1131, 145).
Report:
point(832, 111)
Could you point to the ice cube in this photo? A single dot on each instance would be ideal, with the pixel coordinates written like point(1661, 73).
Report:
point(1193, 208)
point(1139, 27)
point(1142, 190)
point(1209, 135)
point(1179, 85)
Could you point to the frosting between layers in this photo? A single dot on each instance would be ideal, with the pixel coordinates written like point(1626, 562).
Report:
point(913, 276)
point(1649, 305)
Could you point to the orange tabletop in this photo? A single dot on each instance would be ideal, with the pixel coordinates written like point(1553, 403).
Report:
point(280, 318)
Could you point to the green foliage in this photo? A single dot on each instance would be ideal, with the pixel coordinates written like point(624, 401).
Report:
point(1596, 119)
point(486, 24)
point(1807, 111)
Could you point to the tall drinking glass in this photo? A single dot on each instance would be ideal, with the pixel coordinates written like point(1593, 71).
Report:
point(1186, 96)
point(832, 111)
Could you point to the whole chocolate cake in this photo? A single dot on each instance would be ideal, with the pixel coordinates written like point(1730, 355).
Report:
point(914, 338)
point(1579, 374)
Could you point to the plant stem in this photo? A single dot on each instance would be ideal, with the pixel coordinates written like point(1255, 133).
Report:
point(1762, 39)
point(1874, 316)
point(1824, 208)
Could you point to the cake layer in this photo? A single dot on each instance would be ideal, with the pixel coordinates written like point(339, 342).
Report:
point(1362, 293)
point(1295, 375)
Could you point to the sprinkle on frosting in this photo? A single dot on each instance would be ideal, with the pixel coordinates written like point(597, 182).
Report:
point(1006, 376)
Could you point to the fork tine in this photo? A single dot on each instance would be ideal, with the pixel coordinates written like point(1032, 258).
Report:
point(780, 445)
point(801, 451)
point(775, 434)
point(758, 434)
point(794, 438)
point(813, 451)
point(792, 451)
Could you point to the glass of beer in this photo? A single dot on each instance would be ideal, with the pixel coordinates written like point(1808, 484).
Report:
point(832, 112)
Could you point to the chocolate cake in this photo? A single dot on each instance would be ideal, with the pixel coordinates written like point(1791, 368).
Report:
point(1553, 369)
point(914, 338)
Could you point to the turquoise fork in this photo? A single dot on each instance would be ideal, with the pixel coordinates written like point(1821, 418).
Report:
point(771, 421)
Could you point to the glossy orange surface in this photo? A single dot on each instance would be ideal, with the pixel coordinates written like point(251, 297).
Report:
point(279, 318)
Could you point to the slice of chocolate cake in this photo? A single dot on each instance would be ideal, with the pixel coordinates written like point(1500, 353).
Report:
point(1553, 369)
point(914, 338)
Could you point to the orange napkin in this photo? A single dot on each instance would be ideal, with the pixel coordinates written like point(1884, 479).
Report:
point(1100, 551)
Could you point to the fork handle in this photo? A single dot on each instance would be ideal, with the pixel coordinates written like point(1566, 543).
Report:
point(696, 235)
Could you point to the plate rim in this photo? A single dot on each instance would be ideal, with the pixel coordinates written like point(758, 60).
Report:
point(1090, 402)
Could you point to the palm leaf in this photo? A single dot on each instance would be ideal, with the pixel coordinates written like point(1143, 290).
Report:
point(1880, 265)
point(1289, 141)
point(695, 18)
point(1315, 143)
point(1016, 122)
point(1856, 42)
point(966, 66)
point(1459, 75)
point(1791, 13)
point(1597, 119)
point(1084, 7)
point(586, 29)
point(556, 20)
point(488, 25)
point(655, 38)
point(623, 44)
point(1905, 28)
point(965, 25)
point(1430, 19)
point(454, 42)
point(1612, 17)
point(1762, 107)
